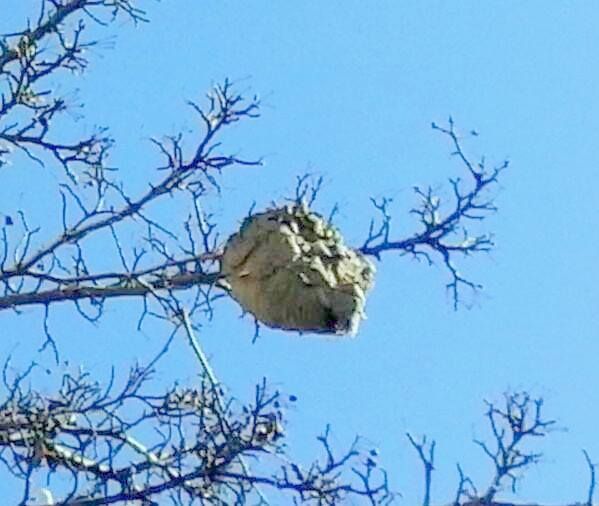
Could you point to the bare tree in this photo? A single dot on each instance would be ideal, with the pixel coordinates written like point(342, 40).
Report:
point(105, 444)
point(514, 424)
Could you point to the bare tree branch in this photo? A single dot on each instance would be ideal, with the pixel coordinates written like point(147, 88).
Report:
point(513, 426)
point(38, 276)
point(427, 462)
point(592, 480)
point(518, 421)
point(98, 440)
point(444, 229)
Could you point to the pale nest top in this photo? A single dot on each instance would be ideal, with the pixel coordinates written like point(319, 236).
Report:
point(290, 268)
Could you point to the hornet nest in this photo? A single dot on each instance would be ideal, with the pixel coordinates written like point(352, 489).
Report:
point(290, 268)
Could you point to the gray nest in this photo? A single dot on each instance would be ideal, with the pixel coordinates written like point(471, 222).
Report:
point(290, 268)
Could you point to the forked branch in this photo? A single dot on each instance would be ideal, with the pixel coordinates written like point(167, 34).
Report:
point(444, 227)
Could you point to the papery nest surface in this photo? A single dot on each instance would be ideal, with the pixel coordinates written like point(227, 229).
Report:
point(290, 268)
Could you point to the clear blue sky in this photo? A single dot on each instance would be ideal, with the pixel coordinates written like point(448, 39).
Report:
point(349, 90)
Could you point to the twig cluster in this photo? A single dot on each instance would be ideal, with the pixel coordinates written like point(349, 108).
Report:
point(514, 425)
point(95, 205)
point(444, 228)
point(91, 445)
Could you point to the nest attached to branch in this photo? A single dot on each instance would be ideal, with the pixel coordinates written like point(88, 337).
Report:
point(290, 268)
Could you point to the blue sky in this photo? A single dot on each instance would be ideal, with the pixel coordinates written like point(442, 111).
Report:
point(349, 91)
